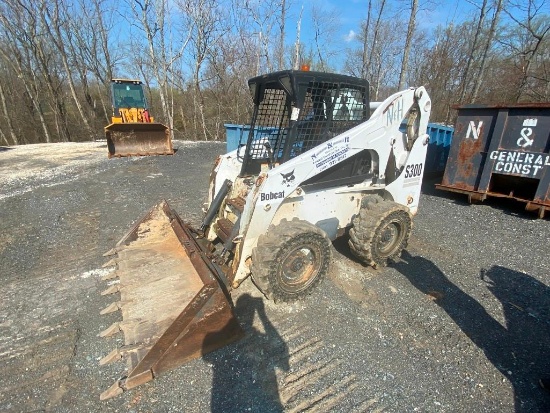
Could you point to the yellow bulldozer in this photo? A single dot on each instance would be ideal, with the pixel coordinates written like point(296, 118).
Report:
point(315, 163)
point(133, 131)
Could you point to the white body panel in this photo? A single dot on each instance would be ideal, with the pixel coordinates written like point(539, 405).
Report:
point(277, 194)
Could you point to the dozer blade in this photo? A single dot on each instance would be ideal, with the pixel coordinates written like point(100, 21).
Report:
point(138, 139)
point(175, 307)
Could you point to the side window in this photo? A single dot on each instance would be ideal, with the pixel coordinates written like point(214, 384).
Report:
point(348, 105)
point(270, 130)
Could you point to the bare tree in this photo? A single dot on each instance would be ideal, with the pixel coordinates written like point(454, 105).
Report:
point(263, 16)
point(281, 19)
point(485, 54)
point(55, 21)
point(365, 54)
point(325, 29)
point(380, 45)
point(408, 41)
point(439, 70)
point(92, 28)
point(19, 50)
point(298, 43)
point(153, 17)
point(207, 28)
point(375, 37)
point(536, 27)
point(472, 55)
point(8, 119)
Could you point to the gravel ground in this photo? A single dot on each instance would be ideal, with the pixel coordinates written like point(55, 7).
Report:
point(460, 324)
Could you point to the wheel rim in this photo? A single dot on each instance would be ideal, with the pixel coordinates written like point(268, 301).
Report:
point(390, 238)
point(299, 267)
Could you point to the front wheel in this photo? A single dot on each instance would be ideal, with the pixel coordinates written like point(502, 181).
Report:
point(291, 260)
point(380, 231)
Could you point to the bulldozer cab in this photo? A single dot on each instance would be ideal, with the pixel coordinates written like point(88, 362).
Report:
point(127, 94)
point(295, 111)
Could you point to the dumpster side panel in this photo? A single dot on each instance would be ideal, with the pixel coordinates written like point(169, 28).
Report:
point(527, 129)
point(502, 151)
point(234, 134)
point(438, 149)
point(238, 134)
point(469, 149)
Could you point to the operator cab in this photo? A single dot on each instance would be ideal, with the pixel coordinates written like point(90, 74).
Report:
point(295, 111)
point(127, 94)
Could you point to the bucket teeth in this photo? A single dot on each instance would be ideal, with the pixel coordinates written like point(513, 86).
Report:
point(110, 276)
point(119, 353)
point(113, 391)
point(111, 330)
point(115, 288)
point(112, 251)
point(111, 308)
point(109, 263)
point(113, 356)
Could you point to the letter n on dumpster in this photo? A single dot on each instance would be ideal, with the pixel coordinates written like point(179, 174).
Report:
point(474, 130)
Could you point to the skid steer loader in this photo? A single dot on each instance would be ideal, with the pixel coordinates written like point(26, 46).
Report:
point(132, 131)
point(315, 164)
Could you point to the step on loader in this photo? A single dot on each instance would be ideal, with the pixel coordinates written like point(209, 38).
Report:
point(315, 165)
point(132, 131)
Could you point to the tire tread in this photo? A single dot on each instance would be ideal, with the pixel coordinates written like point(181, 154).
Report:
point(264, 257)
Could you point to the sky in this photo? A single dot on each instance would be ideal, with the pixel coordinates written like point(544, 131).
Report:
point(348, 15)
point(351, 12)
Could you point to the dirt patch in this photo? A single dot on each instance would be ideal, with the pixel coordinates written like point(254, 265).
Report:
point(25, 167)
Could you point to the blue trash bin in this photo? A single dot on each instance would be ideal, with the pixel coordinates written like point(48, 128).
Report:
point(238, 134)
point(438, 149)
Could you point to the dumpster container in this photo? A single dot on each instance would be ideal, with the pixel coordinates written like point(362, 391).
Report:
point(233, 135)
point(501, 151)
point(441, 137)
point(238, 134)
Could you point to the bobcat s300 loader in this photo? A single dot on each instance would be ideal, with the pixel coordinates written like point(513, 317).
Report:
point(315, 164)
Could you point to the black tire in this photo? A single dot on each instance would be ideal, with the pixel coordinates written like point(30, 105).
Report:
point(290, 260)
point(380, 231)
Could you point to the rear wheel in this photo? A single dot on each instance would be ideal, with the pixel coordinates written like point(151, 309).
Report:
point(291, 260)
point(380, 231)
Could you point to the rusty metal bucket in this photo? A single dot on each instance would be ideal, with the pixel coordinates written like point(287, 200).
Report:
point(138, 139)
point(174, 305)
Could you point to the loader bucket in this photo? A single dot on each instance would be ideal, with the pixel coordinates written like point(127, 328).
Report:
point(174, 305)
point(138, 139)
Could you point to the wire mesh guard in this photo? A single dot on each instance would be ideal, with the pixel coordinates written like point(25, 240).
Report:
point(271, 126)
point(328, 110)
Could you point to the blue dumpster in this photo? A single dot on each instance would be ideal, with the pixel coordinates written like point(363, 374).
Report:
point(238, 134)
point(233, 135)
point(438, 149)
